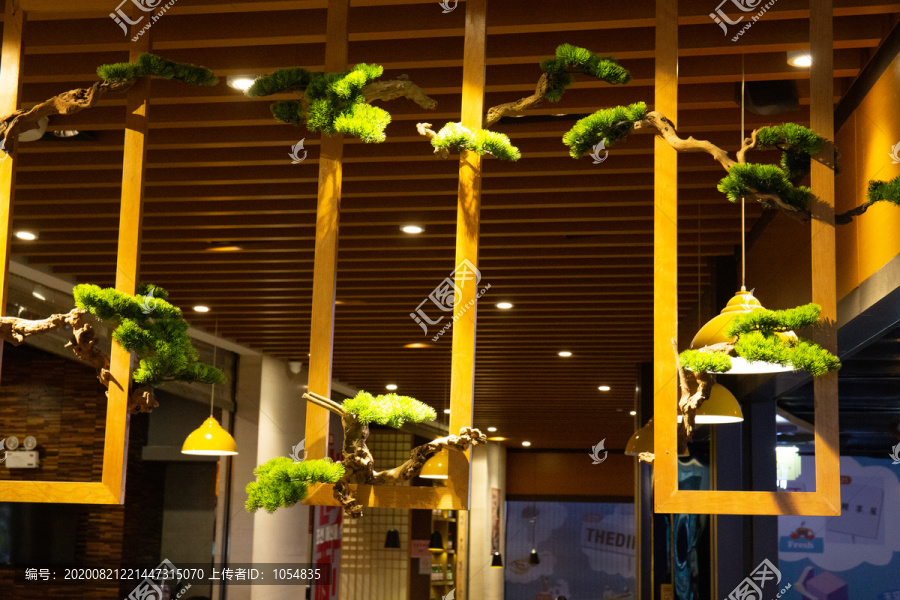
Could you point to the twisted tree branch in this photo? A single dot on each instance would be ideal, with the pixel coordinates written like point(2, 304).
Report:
point(495, 113)
point(401, 87)
point(425, 129)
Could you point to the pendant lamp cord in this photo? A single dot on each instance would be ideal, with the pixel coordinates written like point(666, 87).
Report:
point(212, 388)
point(743, 202)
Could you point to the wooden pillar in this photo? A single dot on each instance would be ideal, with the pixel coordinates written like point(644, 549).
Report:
point(665, 256)
point(328, 212)
point(824, 291)
point(128, 261)
point(10, 64)
point(468, 215)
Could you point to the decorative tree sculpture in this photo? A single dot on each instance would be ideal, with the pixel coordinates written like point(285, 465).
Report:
point(282, 482)
point(117, 78)
point(337, 102)
point(558, 74)
point(145, 324)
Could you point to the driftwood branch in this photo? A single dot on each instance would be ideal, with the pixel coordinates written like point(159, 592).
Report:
point(425, 129)
point(419, 455)
point(326, 403)
point(401, 87)
point(497, 112)
point(691, 396)
point(66, 103)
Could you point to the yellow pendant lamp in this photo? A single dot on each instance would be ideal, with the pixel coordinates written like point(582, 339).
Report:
point(436, 466)
point(210, 439)
point(642, 441)
point(714, 332)
point(721, 407)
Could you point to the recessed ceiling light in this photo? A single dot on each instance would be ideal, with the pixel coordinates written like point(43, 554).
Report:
point(799, 58)
point(391, 386)
point(504, 305)
point(241, 82)
point(632, 413)
point(411, 229)
point(417, 345)
point(224, 247)
point(26, 235)
point(492, 429)
point(446, 411)
point(526, 444)
point(38, 295)
point(497, 439)
point(604, 388)
point(201, 308)
point(565, 354)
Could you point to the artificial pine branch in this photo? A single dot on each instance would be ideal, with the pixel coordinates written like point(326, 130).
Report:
point(879, 191)
point(457, 137)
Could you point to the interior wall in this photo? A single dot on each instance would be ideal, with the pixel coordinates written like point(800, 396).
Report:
point(560, 474)
point(488, 472)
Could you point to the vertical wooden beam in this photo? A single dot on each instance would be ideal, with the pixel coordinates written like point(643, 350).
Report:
point(328, 212)
point(468, 216)
point(665, 258)
point(824, 292)
point(128, 260)
point(10, 65)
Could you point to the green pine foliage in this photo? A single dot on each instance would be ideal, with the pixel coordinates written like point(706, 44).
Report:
point(148, 65)
point(151, 328)
point(770, 321)
point(391, 410)
point(798, 145)
point(456, 137)
point(743, 180)
point(335, 102)
point(884, 191)
point(806, 356)
point(283, 482)
point(711, 362)
point(609, 125)
point(572, 58)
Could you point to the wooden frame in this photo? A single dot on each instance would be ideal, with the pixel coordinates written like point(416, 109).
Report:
point(111, 488)
point(455, 495)
point(826, 500)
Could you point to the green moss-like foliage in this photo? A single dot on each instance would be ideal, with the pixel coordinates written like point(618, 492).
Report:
point(456, 137)
point(151, 328)
point(334, 102)
point(743, 180)
point(282, 482)
point(609, 125)
point(712, 362)
point(152, 65)
point(569, 58)
point(391, 410)
point(770, 321)
point(806, 356)
point(884, 191)
point(798, 145)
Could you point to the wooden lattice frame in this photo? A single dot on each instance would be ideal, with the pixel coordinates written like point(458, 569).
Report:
point(455, 495)
point(111, 488)
point(826, 500)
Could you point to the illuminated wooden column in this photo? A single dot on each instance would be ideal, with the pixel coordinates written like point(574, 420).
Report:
point(665, 254)
point(10, 64)
point(824, 292)
point(328, 212)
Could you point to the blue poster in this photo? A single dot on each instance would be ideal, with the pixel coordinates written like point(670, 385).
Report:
point(586, 551)
point(854, 556)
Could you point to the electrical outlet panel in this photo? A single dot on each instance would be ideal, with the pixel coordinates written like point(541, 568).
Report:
point(23, 459)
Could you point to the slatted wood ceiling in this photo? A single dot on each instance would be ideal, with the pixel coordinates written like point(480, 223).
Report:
point(568, 242)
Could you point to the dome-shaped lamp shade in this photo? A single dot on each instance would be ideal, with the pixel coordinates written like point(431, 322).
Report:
point(209, 440)
point(436, 466)
point(721, 407)
point(436, 542)
point(497, 561)
point(715, 332)
point(533, 558)
point(392, 539)
point(642, 441)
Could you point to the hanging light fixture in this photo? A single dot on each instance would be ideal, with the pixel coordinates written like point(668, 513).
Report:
point(642, 441)
point(436, 466)
point(533, 558)
point(497, 561)
point(436, 542)
point(392, 539)
point(714, 332)
point(210, 439)
point(721, 407)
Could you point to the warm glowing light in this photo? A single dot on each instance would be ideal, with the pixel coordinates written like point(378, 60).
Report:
point(241, 82)
point(391, 386)
point(26, 235)
point(497, 439)
point(492, 429)
point(224, 248)
point(201, 309)
point(565, 354)
point(38, 295)
point(411, 229)
point(504, 305)
point(526, 444)
point(632, 413)
point(446, 411)
point(799, 58)
point(604, 388)
point(417, 345)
